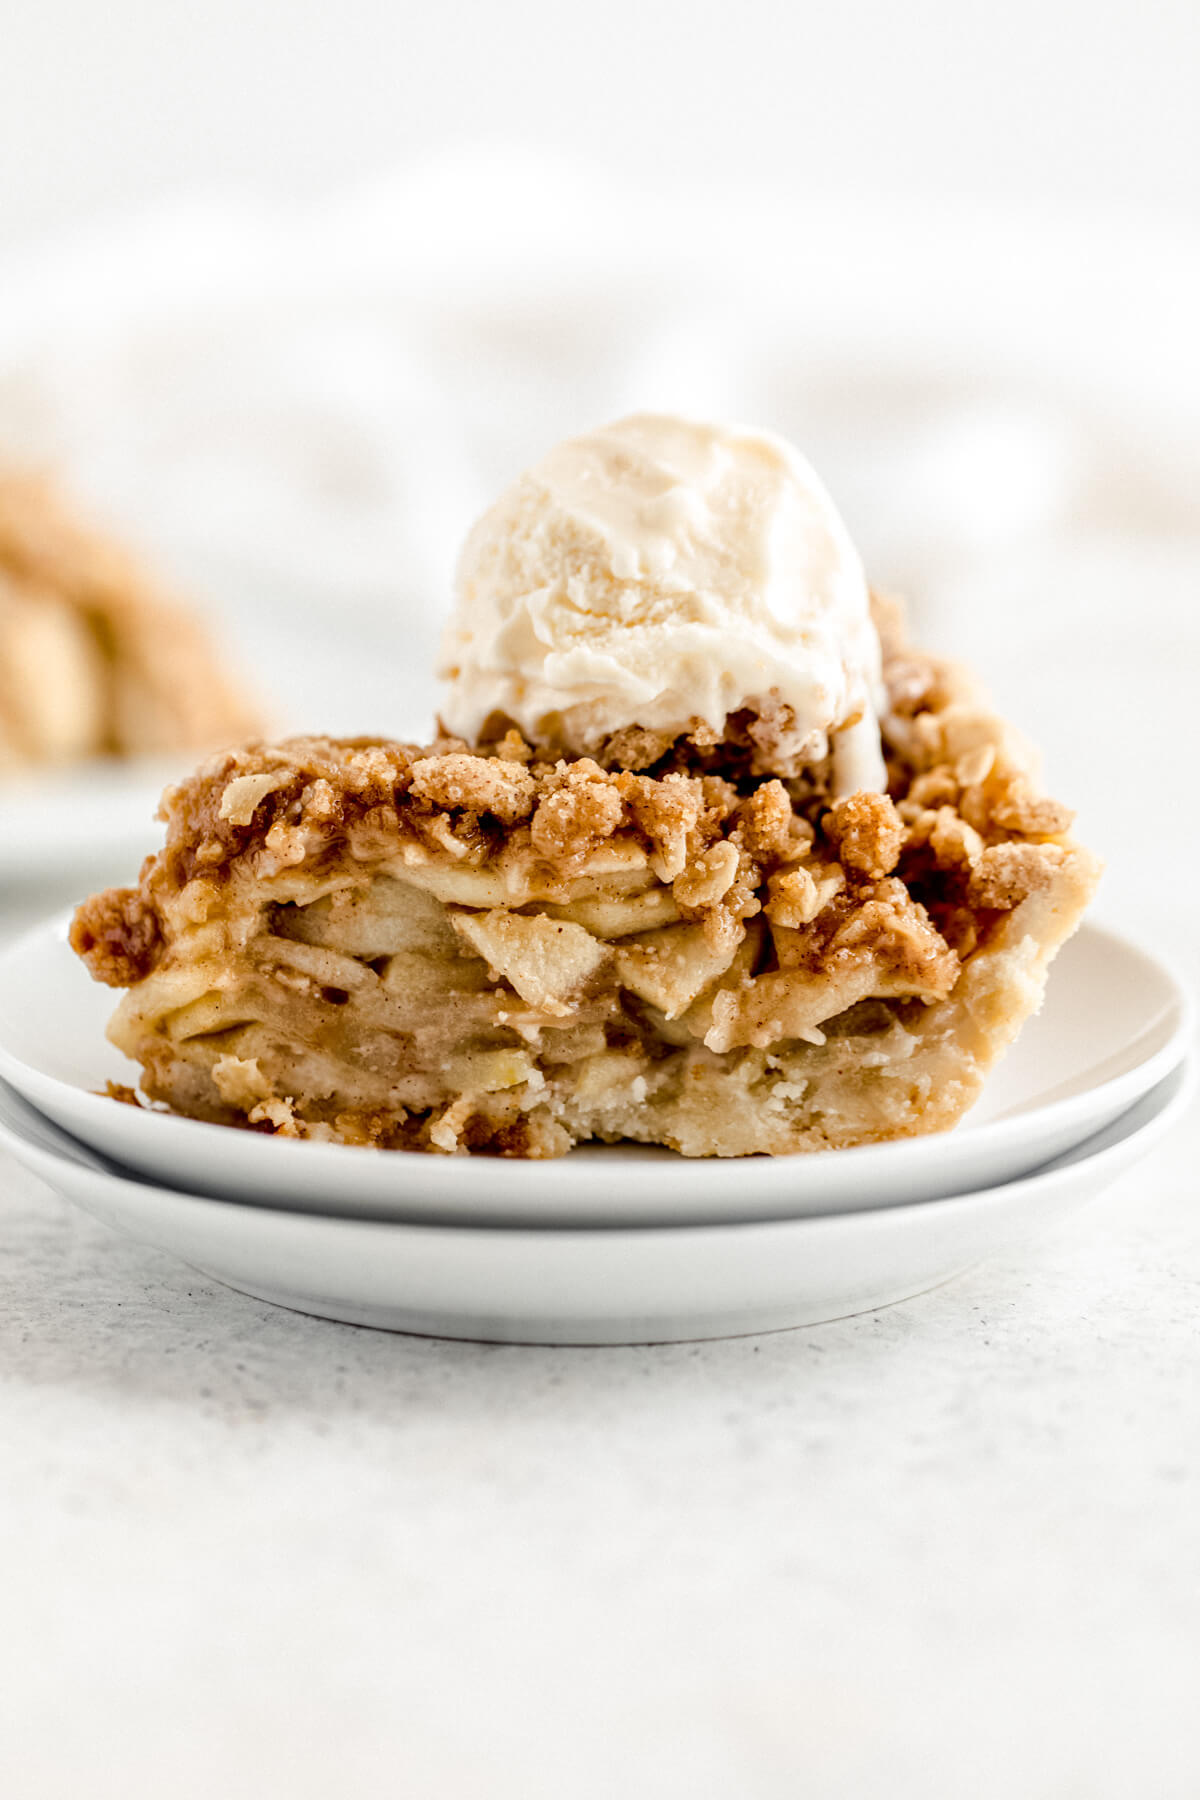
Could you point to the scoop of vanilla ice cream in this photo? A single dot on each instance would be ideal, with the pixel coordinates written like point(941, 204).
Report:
point(660, 572)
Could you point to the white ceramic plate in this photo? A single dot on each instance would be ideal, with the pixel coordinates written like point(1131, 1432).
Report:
point(93, 816)
point(587, 1287)
point(1115, 1022)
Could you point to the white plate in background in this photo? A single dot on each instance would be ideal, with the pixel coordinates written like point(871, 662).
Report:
point(1115, 1022)
point(92, 816)
point(588, 1287)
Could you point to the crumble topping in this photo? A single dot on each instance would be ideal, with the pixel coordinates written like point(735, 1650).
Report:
point(118, 936)
point(724, 847)
point(502, 788)
point(867, 833)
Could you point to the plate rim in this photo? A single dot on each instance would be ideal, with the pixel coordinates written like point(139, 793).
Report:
point(1170, 1107)
point(601, 1288)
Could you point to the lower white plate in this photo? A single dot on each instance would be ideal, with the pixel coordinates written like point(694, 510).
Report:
point(588, 1287)
point(1114, 1023)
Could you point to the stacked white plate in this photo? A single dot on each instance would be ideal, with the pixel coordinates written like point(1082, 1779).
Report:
point(607, 1245)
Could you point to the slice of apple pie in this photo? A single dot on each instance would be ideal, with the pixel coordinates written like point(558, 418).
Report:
point(449, 949)
point(713, 860)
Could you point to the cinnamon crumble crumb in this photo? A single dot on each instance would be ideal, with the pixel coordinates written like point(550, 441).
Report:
point(117, 933)
point(867, 832)
point(582, 808)
point(123, 1094)
point(767, 822)
point(1009, 873)
point(1019, 809)
point(667, 813)
point(493, 785)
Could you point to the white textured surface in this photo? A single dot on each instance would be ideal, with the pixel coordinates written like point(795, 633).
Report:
point(947, 1549)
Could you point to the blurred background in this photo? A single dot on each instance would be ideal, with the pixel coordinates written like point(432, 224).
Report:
point(1046, 101)
point(288, 291)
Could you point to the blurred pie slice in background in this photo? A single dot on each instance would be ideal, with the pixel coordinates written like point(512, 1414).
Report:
point(95, 659)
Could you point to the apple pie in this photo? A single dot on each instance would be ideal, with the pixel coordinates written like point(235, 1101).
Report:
point(488, 947)
point(93, 659)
